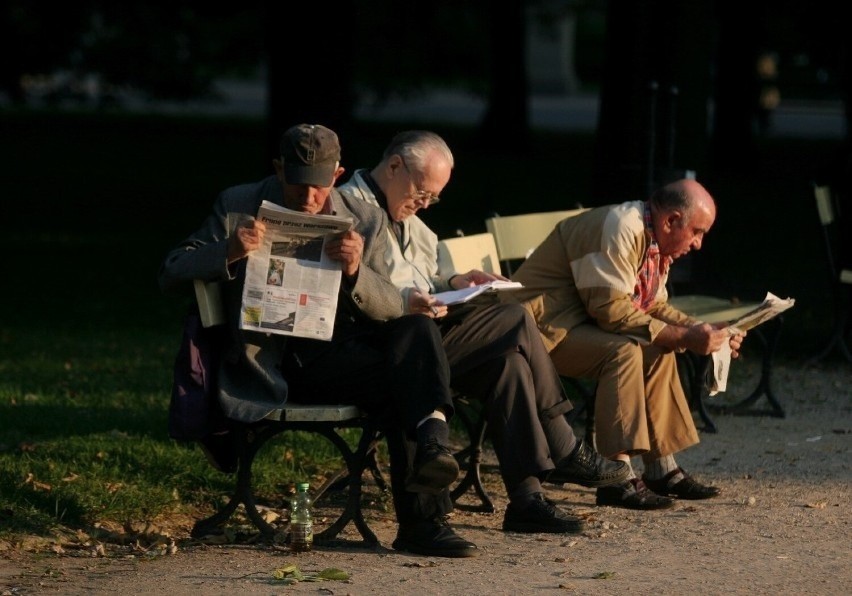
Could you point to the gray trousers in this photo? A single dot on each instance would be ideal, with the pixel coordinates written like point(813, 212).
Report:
point(496, 356)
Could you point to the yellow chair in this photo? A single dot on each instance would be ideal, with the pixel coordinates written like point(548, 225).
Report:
point(516, 236)
point(463, 253)
point(840, 277)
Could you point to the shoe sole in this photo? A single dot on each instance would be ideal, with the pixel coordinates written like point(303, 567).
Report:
point(686, 496)
point(637, 507)
point(461, 553)
point(620, 479)
point(435, 477)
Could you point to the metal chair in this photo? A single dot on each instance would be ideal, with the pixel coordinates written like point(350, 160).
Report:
point(840, 277)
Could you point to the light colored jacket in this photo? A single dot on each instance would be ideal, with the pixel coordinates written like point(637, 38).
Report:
point(586, 270)
point(412, 263)
point(250, 380)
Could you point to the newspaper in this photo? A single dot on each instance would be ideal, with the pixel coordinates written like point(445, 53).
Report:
point(771, 307)
point(291, 285)
point(451, 297)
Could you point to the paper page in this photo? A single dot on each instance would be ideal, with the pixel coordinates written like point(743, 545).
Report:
point(291, 285)
point(451, 297)
point(721, 367)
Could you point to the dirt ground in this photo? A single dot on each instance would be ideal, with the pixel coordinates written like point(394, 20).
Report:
point(782, 525)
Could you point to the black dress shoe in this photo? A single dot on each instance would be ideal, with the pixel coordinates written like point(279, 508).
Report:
point(587, 467)
point(540, 514)
point(434, 470)
point(433, 538)
point(633, 494)
point(686, 488)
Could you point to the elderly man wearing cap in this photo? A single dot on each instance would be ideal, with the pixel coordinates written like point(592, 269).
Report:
point(380, 359)
point(494, 351)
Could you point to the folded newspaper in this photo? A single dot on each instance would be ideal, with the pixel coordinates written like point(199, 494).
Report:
point(771, 307)
point(451, 297)
point(291, 285)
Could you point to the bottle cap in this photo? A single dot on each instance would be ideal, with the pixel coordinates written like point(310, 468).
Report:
point(303, 486)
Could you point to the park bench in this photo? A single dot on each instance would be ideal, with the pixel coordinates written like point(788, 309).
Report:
point(326, 420)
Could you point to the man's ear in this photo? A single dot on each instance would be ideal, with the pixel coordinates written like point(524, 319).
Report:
point(674, 219)
point(337, 174)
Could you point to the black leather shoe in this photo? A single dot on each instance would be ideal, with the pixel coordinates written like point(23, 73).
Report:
point(433, 538)
point(587, 467)
point(632, 494)
point(540, 514)
point(687, 488)
point(435, 469)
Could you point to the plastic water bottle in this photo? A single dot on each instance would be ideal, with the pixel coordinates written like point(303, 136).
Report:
point(301, 520)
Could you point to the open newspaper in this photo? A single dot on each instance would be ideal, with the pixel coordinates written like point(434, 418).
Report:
point(291, 284)
point(771, 307)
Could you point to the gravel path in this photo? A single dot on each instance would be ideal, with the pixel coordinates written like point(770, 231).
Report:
point(782, 525)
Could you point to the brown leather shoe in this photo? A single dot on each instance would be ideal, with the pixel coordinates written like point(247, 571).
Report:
point(687, 488)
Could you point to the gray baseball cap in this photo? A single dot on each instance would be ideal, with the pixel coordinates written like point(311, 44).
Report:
point(311, 154)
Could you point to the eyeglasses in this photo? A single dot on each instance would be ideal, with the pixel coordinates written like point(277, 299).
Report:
point(419, 195)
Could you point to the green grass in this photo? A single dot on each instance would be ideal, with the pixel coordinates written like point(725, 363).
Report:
point(92, 204)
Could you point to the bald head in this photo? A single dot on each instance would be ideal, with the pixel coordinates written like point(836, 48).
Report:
point(683, 212)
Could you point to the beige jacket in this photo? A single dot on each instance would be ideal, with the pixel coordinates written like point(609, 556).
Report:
point(586, 270)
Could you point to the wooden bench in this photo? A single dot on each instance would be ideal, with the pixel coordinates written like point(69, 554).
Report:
point(325, 420)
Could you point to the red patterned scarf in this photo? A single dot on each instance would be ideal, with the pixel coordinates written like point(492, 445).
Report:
point(651, 270)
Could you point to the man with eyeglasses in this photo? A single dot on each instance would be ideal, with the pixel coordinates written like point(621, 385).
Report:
point(380, 359)
point(494, 350)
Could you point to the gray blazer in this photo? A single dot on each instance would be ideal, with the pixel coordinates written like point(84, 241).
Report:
point(250, 380)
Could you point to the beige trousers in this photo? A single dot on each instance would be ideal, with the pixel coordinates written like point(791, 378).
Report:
point(640, 407)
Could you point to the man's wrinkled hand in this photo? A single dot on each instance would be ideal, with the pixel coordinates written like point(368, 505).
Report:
point(247, 237)
point(347, 248)
point(426, 304)
point(474, 277)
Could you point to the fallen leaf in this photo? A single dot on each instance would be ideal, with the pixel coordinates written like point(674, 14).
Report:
point(817, 505)
point(333, 574)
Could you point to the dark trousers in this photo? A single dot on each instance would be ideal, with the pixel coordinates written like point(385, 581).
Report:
point(496, 355)
point(396, 371)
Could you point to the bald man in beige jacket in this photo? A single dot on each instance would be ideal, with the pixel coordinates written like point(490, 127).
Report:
point(597, 289)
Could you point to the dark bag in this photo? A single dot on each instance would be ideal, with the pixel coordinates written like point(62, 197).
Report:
point(194, 411)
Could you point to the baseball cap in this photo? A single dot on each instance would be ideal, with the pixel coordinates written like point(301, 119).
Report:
point(311, 153)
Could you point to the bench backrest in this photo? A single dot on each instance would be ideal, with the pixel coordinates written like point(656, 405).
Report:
point(463, 253)
point(516, 236)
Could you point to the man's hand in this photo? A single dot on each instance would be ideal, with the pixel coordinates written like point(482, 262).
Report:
point(702, 339)
point(474, 277)
point(247, 236)
point(423, 303)
point(346, 247)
